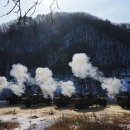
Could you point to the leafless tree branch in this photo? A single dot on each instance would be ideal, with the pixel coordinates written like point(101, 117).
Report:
point(10, 10)
point(18, 12)
point(52, 4)
point(52, 8)
point(17, 8)
point(7, 3)
point(33, 6)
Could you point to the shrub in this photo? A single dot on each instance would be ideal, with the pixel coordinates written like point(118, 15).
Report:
point(8, 125)
point(87, 123)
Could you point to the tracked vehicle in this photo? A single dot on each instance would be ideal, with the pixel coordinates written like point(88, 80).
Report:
point(35, 100)
point(14, 99)
point(123, 99)
point(62, 101)
point(80, 101)
point(85, 101)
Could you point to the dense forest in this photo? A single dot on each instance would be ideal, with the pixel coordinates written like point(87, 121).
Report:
point(51, 40)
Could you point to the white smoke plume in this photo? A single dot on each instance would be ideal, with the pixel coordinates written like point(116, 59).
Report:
point(17, 88)
point(49, 87)
point(43, 74)
point(113, 85)
point(82, 68)
point(20, 73)
point(46, 82)
point(67, 88)
point(3, 83)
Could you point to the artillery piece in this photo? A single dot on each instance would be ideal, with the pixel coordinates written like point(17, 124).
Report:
point(80, 101)
point(85, 101)
point(123, 99)
point(62, 101)
point(35, 100)
point(14, 99)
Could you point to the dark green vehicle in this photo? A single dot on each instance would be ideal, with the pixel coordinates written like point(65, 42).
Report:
point(14, 99)
point(123, 99)
point(62, 101)
point(80, 101)
point(85, 101)
point(35, 100)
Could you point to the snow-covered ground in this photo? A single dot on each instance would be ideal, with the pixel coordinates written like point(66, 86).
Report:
point(27, 123)
point(32, 119)
point(39, 118)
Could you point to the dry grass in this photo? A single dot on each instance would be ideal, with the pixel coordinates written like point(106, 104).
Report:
point(8, 125)
point(91, 122)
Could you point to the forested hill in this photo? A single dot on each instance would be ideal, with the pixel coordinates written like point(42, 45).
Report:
point(52, 40)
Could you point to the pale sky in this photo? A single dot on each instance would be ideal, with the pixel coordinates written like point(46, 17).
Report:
point(114, 10)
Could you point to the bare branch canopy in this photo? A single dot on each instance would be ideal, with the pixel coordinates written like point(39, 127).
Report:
point(17, 8)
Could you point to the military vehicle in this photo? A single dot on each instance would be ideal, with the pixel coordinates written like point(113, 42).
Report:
point(33, 96)
point(89, 99)
point(123, 99)
point(80, 101)
point(14, 99)
point(35, 100)
point(62, 101)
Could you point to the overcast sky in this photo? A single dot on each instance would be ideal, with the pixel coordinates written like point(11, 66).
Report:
point(114, 10)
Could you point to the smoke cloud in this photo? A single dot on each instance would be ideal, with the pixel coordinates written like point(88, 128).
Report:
point(113, 85)
point(3, 83)
point(46, 82)
point(17, 88)
point(49, 87)
point(83, 68)
point(43, 74)
point(67, 88)
point(20, 73)
point(43, 79)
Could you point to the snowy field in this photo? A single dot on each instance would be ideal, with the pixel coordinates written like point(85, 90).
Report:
point(39, 118)
point(32, 119)
point(26, 122)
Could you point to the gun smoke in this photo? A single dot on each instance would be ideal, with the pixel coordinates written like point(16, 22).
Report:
point(67, 88)
point(3, 82)
point(46, 82)
point(43, 78)
point(20, 73)
point(83, 68)
point(113, 86)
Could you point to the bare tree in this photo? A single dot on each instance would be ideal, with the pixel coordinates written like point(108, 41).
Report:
point(17, 8)
point(53, 7)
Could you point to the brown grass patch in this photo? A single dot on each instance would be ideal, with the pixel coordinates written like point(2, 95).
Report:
point(90, 122)
point(8, 125)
